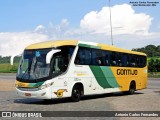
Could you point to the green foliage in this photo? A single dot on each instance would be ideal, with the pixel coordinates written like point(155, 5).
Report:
point(150, 50)
point(7, 59)
point(13, 68)
point(4, 59)
point(154, 65)
point(153, 53)
point(7, 68)
point(154, 74)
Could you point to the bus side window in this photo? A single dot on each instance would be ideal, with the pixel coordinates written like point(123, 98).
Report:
point(83, 56)
point(132, 60)
point(142, 61)
point(124, 60)
point(77, 60)
point(106, 58)
point(137, 61)
point(87, 53)
point(97, 57)
point(128, 60)
point(79, 57)
point(94, 57)
point(119, 59)
point(113, 59)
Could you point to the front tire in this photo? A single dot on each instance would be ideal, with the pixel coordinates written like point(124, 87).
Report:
point(76, 94)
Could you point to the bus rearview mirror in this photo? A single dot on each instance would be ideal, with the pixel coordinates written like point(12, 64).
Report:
point(50, 54)
point(12, 58)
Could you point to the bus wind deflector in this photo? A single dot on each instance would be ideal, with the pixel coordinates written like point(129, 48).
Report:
point(50, 54)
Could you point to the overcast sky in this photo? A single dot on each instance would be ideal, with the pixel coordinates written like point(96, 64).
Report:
point(23, 22)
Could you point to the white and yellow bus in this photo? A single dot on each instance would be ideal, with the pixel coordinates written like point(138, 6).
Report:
point(71, 68)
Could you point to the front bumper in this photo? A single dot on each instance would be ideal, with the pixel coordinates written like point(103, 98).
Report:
point(40, 94)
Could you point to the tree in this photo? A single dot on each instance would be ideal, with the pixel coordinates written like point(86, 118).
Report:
point(7, 59)
point(157, 65)
point(154, 65)
point(151, 66)
point(150, 50)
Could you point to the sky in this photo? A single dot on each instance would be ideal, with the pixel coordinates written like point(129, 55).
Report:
point(30, 21)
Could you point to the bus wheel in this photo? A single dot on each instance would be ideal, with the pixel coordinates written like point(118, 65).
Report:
point(76, 94)
point(132, 88)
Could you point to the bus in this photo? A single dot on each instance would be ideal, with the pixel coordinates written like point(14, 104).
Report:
point(71, 68)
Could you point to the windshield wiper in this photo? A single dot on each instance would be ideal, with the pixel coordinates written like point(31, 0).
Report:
point(33, 67)
point(25, 73)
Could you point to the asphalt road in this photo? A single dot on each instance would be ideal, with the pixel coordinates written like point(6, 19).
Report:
point(143, 100)
point(6, 76)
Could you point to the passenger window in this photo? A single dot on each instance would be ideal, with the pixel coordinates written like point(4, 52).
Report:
point(143, 61)
point(87, 55)
point(106, 57)
point(96, 57)
point(119, 59)
point(132, 60)
point(83, 56)
point(80, 56)
point(125, 60)
point(113, 59)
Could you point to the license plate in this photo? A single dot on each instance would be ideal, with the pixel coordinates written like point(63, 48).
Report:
point(28, 94)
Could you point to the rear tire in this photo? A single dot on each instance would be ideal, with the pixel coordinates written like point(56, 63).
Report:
point(132, 88)
point(76, 94)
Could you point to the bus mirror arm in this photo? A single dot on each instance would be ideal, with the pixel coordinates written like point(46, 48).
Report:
point(12, 58)
point(50, 54)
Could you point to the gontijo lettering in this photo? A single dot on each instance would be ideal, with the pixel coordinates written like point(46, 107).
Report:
point(126, 72)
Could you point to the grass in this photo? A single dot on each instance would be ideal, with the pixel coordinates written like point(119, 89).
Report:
point(7, 68)
point(154, 74)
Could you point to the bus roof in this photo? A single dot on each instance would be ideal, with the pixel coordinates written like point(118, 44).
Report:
point(52, 44)
point(113, 48)
point(57, 43)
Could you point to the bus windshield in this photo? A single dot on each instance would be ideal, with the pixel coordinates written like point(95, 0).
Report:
point(33, 65)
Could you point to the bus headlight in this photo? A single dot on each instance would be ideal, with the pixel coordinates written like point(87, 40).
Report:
point(16, 86)
point(46, 85)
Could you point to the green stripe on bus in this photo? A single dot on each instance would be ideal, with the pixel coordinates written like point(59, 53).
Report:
point(104, 76)
point(109, 76)
point(88, 46)
point(97, 71)
point(35, 84)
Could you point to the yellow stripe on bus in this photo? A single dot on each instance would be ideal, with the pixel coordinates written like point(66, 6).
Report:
point(22, 84)
point(51, 44)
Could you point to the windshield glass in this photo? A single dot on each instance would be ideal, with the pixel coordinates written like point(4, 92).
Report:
point(33, 65)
